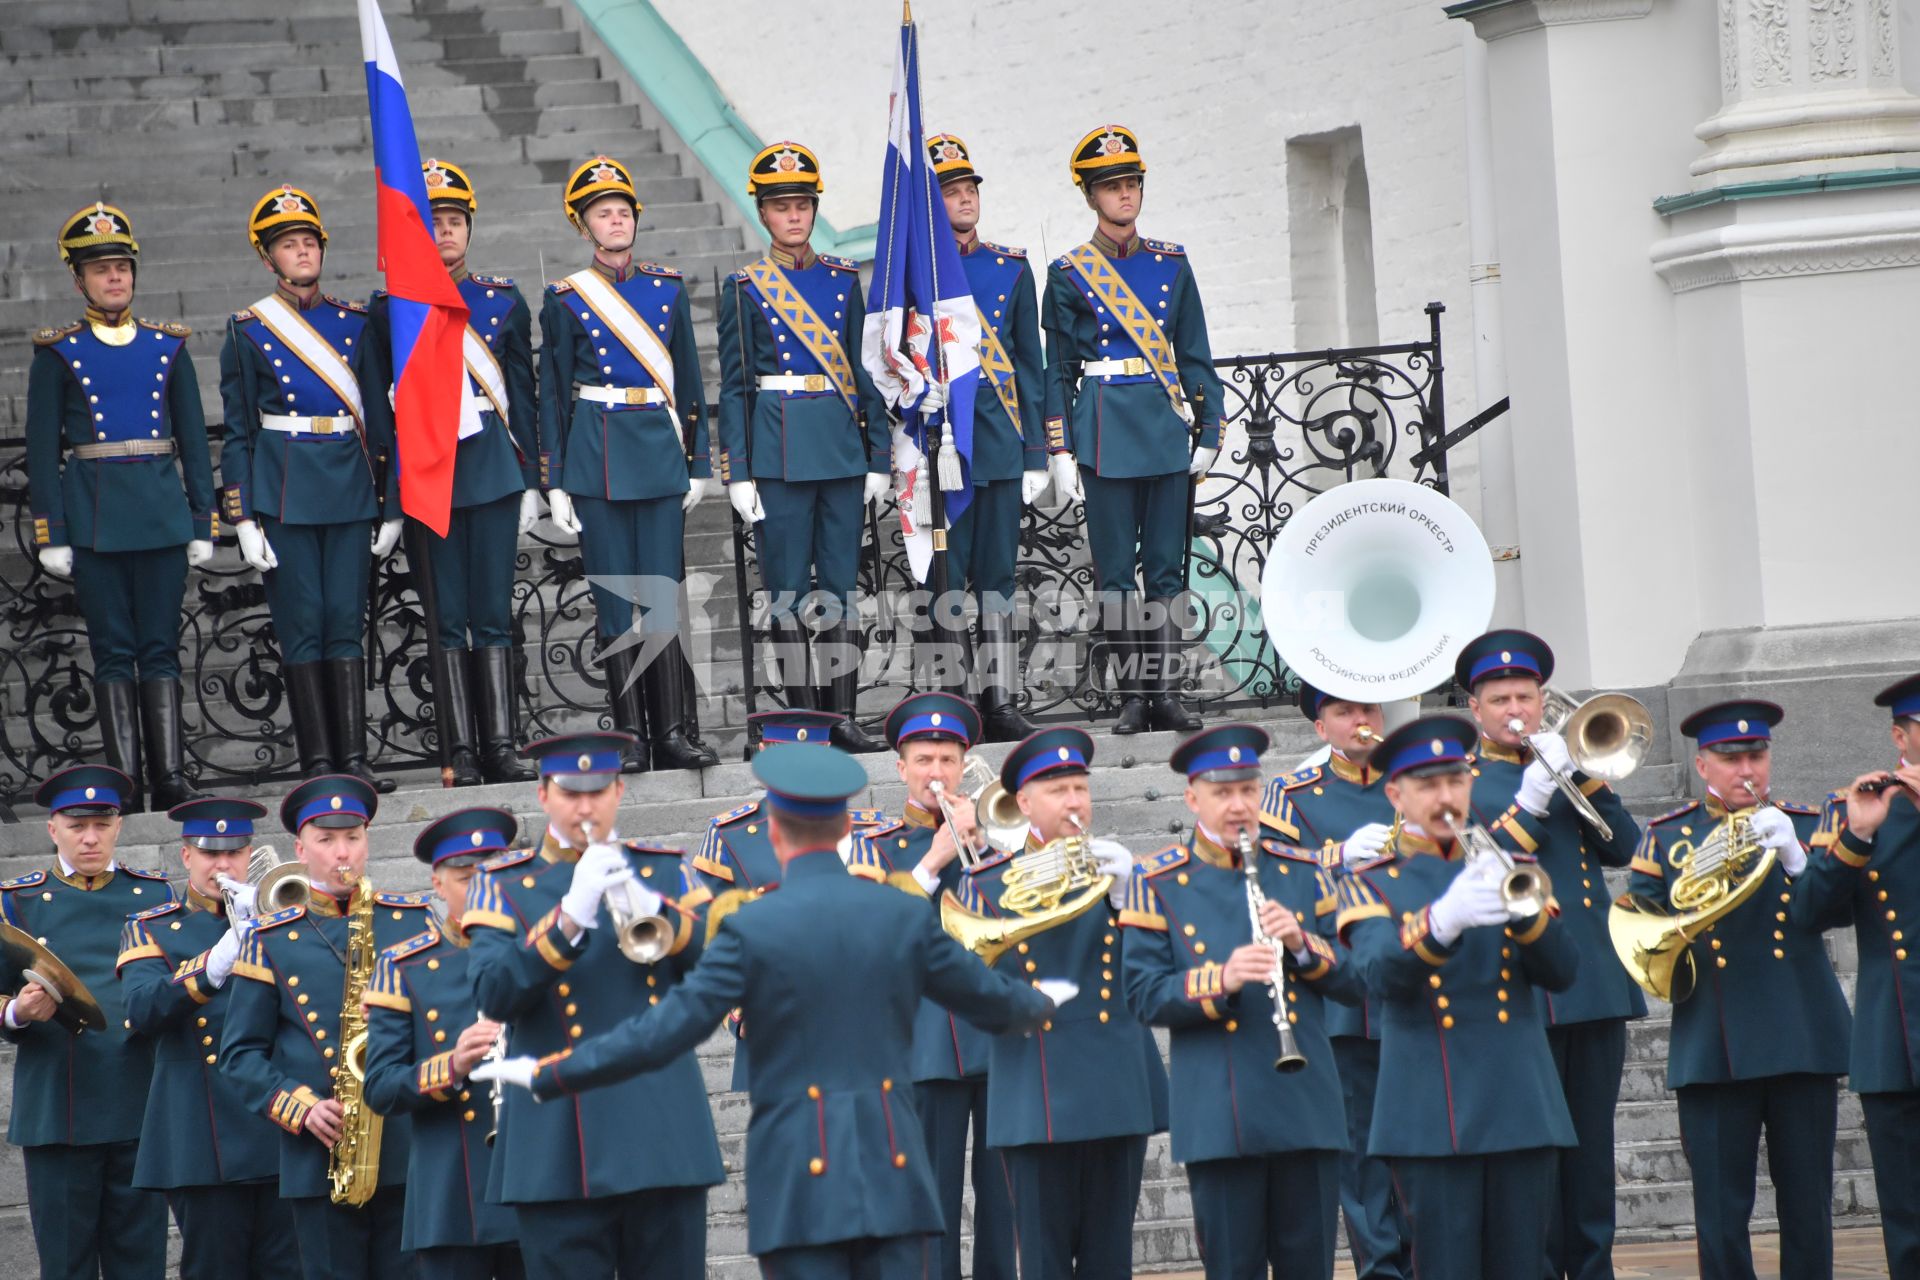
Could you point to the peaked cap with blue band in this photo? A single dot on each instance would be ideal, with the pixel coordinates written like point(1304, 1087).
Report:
point(1431, 744)
point(1508, 652)
point(336, 800)
point(809, 780)
point(85, 791)
point(1048, 752)
point(580, 761)
point(1225, 753)
point(1744, 724)
point(217, 824)
point(1902, 697)
point(775, 727)
point(466, 837)
point(933, 715)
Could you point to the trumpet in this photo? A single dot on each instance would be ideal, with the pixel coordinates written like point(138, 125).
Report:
point(642, 938)
point(1607, 736)
point(276, 885)
point(1524, 887)
point(1290, 1059)
point(1000, 820)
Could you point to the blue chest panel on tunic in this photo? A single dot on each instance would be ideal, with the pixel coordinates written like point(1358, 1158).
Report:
point(1151, 277)
point(489, 303)
point(991, 278)
point(651, 298)
point(125, 387)
point(301, 390)
point(825, 289)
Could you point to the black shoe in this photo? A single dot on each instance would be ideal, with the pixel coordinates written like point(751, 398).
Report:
point(1162, 650)
point(843, 696)
point(457, 732)
point(669, 693)
point(347, 694)
point(624, 704)
point(998, 665)
point(166, 749)
point(307, 702)
point(1123, 659)
point(499, 758)
point(120, 737)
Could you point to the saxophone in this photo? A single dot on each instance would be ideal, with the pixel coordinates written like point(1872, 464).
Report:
point(353, 1167)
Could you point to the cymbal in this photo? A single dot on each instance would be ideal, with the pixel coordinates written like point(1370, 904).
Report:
point(75, 1008)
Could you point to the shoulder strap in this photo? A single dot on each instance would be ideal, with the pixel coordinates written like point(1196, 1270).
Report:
point(822, 343)
point(634, 333)
point(998, 366)
point(1092, 266)
point(485, 368)
point(313, 351)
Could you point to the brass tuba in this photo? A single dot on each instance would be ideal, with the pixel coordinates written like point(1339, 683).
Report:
point(353, 1165)
point(1654, 941)
point(1048, 887)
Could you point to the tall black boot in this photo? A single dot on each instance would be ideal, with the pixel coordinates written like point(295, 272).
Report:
point(629, 716)
point(307, 701)
point(458, 731)
point(997, 660)
point(166, 750)
point(120, 736)
point(1125, 655)
point(1164, 643)
point(347, 692)
point(791, 662)
point(499, 731)
point(669, 689)
point(843, 691)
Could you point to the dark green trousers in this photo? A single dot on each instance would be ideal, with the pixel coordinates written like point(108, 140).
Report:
point(235, 1229)
point(1893, 1135)
point(342, 1243)
point(984, 544)
point(885, 1258)
point(1263, 1216)
point(1476, 1217)
point(948, 1108)
point(88, 1220)
point(130, 601)
point(1073, 1206)
point(1720, 1128)
point(1589, 1057)
point(636, 548)
point(473, 574)
point(810, 540)
point(318, 595)
point(1376, 1234)
point(643, 1235)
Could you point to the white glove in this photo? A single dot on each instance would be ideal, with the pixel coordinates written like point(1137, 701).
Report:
point(199, 551)
point(1111, 858)
point(697, 489)
point(222, 955)
point(1202, 461)
point(934, 401)
point(1032, 485)
point(878, 482)
point(529, 510)
point(745, 497)
point(243, 895)
point(1536, 788)
point(600, 867)
point(639, 899)
point(386, 538)
point(1551, 748)
point(57, 561)
point(1774, 830)
point(254, 547)
point(1365, 844)
point(1472, 901)
point(1058, 990)
point(1066, 478)
point(560, 512)
point(518, 1072)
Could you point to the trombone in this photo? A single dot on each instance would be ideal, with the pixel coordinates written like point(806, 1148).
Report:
point(1607, 736)
point(276, 885)
point(1001, 822)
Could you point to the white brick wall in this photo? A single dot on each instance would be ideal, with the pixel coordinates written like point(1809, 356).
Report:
point(1214, 93)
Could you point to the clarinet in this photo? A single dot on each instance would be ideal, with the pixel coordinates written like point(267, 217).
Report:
point(497, 1052)
point(1290, 1059)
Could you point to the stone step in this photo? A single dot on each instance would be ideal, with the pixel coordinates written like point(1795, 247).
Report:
point(290, 85)
point(153, 70)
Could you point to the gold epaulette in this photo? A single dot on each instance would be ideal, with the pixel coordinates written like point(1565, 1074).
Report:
point(1786, 806)
point(26, 881)
point(48, 337)
point(725, 905)
point(141, 873)
point(345, 304)
point(1301, 777)
point(657, 269)
point(1167, 859)
point(1163, 246)
point(734, 815)
point(1004, 250)
point(422, 899)
point(277, 918)
point(1671, 814)
point(511, 858)
point(839, 263)
point(172, 328)
point(417, 943)
point(1291, 852)
point(491, 282)
point(560, 286)
point(150, 913)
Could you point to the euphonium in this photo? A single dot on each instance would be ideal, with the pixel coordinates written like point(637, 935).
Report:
point(353, 1166)
point(1048, 887)
point(1654, 940)
point(642, 938)
point(1524, 886)
point(1290, 1059)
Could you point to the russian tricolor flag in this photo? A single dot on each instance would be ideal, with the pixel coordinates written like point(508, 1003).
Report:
point(428, 318)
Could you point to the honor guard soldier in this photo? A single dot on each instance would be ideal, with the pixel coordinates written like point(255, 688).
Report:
point(1009, 450)
point(623, 440)
point(1071, 1106)
point(307, 419)
point(78, 1098)
point(838, 1181)
point(1865, 871)
point(931, 734)
point(614, 1182)
point(289, 1024)
point(424, 1037)
point(1469, 1109)
point(1341, 808)
point(217, 1161)
point(1130, 381)
point(1514, 792)
point(1257, 1119)
point(496, 495)
point(803, 432)
point(1760, 1040)
point(121, 487)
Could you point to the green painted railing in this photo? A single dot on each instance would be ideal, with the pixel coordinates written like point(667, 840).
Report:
point(693, 105)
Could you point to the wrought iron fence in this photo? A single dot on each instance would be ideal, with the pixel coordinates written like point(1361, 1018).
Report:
point(1296, 425)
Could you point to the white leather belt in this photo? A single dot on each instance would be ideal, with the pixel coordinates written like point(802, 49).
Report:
point(341, 424)
point(1132, 366)
point(796, 382)
point(124, 449)
point(620, 395)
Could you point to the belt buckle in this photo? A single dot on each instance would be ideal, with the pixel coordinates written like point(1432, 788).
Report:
point(815, 382)
point(320, 426)
point(639, 395)
point(1135, 366)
